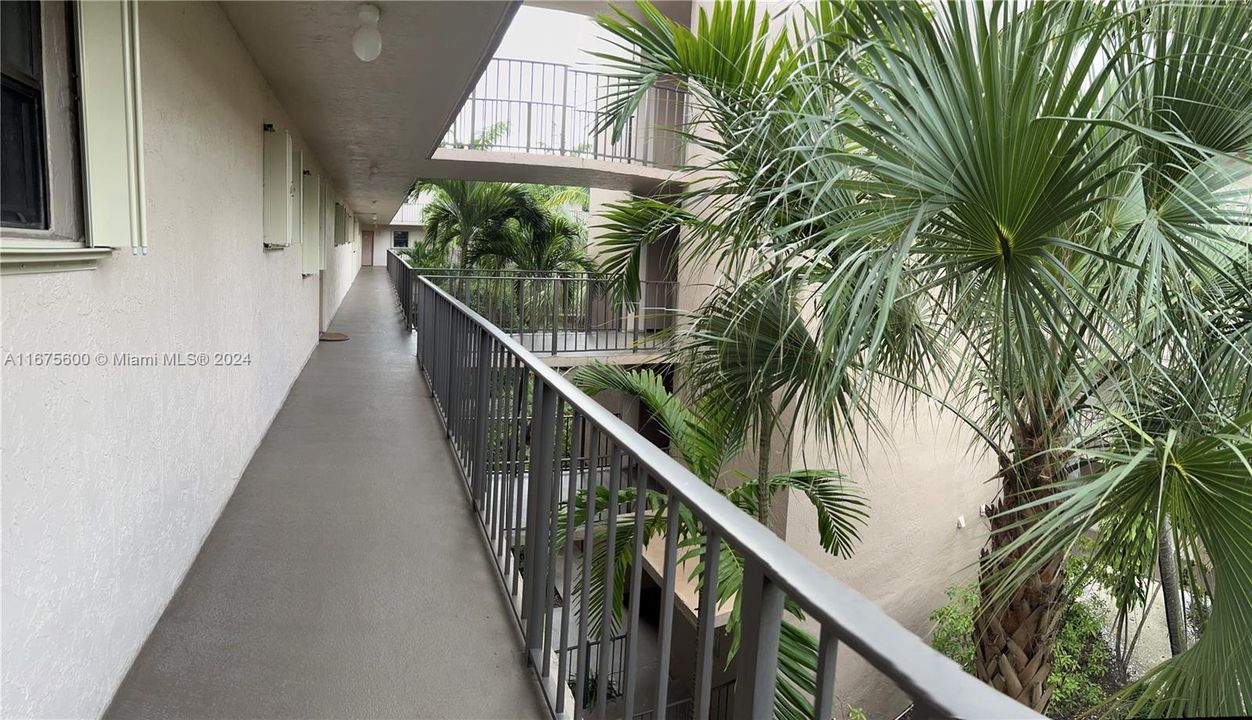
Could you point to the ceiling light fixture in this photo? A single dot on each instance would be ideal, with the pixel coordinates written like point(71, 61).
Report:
point(367, 42)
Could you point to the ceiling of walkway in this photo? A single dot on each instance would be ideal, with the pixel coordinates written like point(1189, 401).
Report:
point(371, 124)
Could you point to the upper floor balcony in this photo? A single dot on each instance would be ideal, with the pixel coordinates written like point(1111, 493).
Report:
point(554, 109)
point(536, 121)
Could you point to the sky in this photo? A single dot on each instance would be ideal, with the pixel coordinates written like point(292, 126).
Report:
point(552, 36)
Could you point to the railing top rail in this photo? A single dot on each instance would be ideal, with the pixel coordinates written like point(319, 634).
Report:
point(400, 256)
point(440, 273)
point(495, 272)
point(526, 61)
point(548, 63)
point(930, 679)
point(506, 275)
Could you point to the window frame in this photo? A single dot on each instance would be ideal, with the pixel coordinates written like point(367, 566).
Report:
point(61, 140)
point(31, 84)
point(92, 130)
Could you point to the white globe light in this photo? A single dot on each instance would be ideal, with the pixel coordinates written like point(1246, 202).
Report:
point(367, 43)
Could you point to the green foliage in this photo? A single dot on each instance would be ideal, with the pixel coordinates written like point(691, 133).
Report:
point(953, 634)
point(1049, 201)
point(463, 213)
point(490, 135)
point(555, 197)
point(626, 228)
point(505, 225)
point(707, 439)
point(1081, 658)
point(549, 242)
point(423, 254)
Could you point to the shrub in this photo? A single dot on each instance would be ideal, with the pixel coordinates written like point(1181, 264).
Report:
point(954, 626)
point(1082, 657)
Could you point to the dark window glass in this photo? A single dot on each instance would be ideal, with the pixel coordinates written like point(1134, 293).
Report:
point(20, 35)
point(24, 164)
point(400, 238)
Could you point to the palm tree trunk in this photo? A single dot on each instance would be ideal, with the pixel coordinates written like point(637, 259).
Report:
point(764, 442)
point(1172, 594)
point(464, 243)
point(1014, 640)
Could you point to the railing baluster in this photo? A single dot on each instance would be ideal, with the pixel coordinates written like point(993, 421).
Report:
point(555, 288)
point(672, 512)
point(824, 698)
point(481, 416)
point(552, 516)
point(636, 588)
point(469, 357)
point(497, 480)
point(610, 592)
point(706, 630)
point(501, 471)
point(592, 457)
point(537, 592)
point(761, 608)
point(515, 457)
point(576, 434)
point(455, 354)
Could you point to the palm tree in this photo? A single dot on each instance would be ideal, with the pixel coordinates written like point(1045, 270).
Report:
point(464, 212)
point(549, 242)
point(557, 197)
point(424, 254)
point(705, 438)
point(1045, 198)
point(543, 254)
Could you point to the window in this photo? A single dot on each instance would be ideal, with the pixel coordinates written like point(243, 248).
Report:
point(278, 187)
point(69, 71)
point(400, 238)
point(311, 236)
point(25, 169)
point(341, 224)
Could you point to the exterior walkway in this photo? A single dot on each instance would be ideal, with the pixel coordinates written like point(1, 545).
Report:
point(346, 577)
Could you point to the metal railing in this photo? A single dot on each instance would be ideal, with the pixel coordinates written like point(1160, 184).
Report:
point(402, 277)
point(541, 107)
point(486, 384)
point(590, 664)
point(721, 706)
point(557, 313)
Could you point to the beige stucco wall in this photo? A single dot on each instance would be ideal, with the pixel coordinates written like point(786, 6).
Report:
point(383, 238)
point(597, 199)
point(918, 484)
point(113, 476)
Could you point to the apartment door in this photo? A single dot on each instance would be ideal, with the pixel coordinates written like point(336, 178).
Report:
point(367, 247)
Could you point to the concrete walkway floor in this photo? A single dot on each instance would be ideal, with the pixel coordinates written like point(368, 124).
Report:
point(346, 577)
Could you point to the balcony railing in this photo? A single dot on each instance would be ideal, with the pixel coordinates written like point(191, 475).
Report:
point(540, 107)
point(524, 439)
point(555, 313)
point(402, 279)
